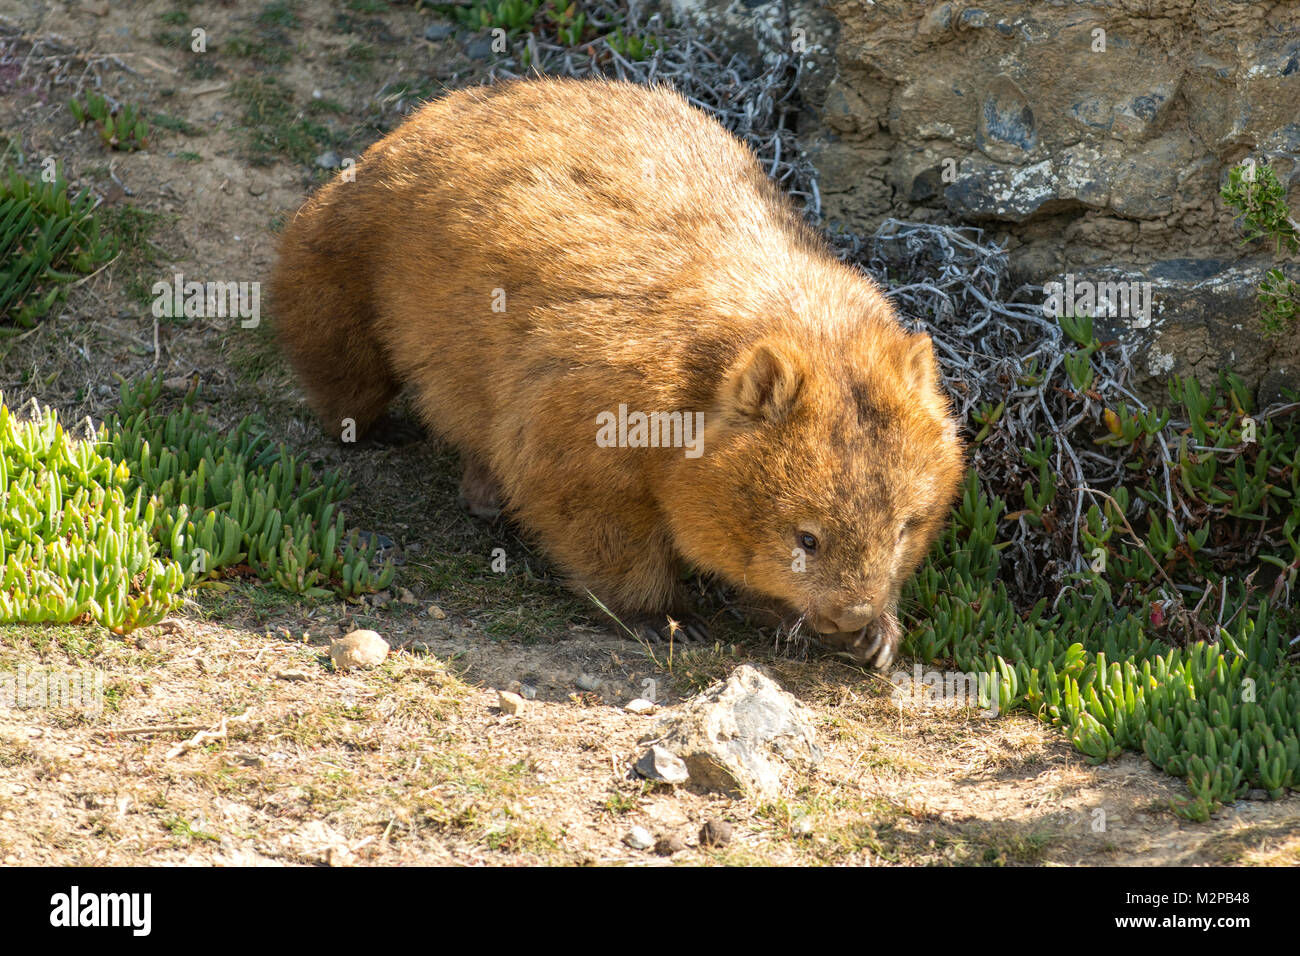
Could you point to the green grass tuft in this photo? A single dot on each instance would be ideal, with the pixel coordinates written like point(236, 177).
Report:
point(272, 124)
point(47, 239)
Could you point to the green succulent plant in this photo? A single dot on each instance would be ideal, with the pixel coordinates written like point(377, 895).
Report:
point(232, 498)
point(1120, 660)
point(1259, 199)
point(114, 526)
point(122, 127)
point(48, 238)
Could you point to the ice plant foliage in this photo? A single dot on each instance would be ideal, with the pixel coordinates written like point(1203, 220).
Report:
point(233, 498)
point(1163, 642)
point(121, 126)
point(114, 527)
point(75, 540)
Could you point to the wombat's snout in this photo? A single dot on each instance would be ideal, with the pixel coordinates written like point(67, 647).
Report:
point(875, 644)
point(834, 620)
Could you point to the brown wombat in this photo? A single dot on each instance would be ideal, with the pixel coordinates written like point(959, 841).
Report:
point(639, 349)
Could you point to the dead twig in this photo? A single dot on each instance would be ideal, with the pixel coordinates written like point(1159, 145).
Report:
point(203, 736)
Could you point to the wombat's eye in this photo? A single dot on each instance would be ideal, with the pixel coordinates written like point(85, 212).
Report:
point(808, 542)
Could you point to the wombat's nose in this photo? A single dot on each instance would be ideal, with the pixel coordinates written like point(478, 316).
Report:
point(853, 618)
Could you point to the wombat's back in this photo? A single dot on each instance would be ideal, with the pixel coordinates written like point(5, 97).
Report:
point(568, 188)
point(508, 232)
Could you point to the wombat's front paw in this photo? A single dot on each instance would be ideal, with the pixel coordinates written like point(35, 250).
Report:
point(660, 629)
point(876, 645)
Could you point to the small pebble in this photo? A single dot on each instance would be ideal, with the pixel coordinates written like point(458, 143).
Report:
point(640, 706)
point(509, 703)
point(358, 649)
point(587, 682)
point(715, 833)
point(669, 845)
point(1257, 794)
point(375, 541)
point(404, 596)
point(479, 49)
point(294, 674)
point(527, 691)
point(662, 765)
point(328, 160)
point(438, 31)
point(639, 838)
point(802, 827)
point(436, 612)
point(11, 860)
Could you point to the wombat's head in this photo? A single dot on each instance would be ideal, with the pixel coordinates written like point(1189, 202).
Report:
point(829, 467)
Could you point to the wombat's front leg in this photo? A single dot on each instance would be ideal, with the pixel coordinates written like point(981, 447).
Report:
point(876, 645)
point(681, 627)
point(623, 557)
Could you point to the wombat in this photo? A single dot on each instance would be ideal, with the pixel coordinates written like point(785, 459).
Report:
point(640, 350)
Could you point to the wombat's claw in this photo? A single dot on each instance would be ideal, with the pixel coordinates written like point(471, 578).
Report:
point(876, 645)
point(691, 628)
point(868, 644)
point(688, 629)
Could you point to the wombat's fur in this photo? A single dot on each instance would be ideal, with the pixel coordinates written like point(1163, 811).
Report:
point(529, 256)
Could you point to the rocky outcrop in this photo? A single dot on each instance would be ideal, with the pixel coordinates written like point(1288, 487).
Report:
point(1011, 113)
point(1089, 135)
point(740, 736)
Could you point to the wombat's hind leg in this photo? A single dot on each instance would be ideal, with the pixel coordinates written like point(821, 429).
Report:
point(480, 494)
point(325, 324)
point(395, 431)
point(349, 385)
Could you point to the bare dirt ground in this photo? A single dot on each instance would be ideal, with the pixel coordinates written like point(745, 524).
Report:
point(412, 762)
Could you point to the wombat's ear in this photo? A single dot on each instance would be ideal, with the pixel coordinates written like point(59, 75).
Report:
point(919, 367)
point(763, 385)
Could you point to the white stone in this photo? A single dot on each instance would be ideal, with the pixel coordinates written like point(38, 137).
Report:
point(358, 649)
point(639, 838)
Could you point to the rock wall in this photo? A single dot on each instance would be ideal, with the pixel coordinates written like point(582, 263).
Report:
point(1091, 135)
